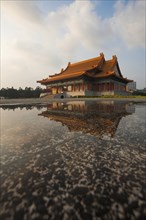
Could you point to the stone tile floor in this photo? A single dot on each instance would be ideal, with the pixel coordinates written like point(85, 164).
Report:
point(50, 172)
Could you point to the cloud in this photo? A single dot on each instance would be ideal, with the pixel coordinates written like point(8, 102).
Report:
point(78, 27)
point(36, 44)
point(129, 23)
point(25, 11)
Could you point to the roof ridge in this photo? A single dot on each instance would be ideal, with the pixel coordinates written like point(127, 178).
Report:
point(84, 61)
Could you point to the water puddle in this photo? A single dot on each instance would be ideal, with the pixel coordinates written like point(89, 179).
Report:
point(73, 160)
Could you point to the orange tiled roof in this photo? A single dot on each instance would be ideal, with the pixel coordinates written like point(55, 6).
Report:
point(83, 66)
point(102, 69)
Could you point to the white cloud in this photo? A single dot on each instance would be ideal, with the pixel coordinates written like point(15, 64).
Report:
point(129, 22)
point(22, 10)
point(80, 28)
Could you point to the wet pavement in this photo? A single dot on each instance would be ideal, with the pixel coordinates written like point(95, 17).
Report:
point(74, 160)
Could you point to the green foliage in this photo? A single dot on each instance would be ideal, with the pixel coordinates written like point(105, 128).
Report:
point(139, 93)
point(28, 92)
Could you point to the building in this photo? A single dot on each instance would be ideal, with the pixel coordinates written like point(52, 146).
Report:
point(93, 77)
point(131, 86)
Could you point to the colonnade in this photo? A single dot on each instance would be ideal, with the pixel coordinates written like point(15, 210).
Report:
point(89, 86)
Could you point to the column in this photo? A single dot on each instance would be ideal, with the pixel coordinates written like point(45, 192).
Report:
point(74, 87)
point(83, 86)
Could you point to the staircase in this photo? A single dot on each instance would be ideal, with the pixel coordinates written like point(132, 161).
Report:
point(53, 96)
point(46, 96)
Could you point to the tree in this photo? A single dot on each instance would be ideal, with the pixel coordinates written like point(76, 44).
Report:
point(28, 92)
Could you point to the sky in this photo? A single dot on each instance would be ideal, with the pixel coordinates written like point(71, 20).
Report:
point(38, 38)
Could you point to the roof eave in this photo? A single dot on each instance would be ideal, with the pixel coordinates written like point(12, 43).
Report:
point(63, 79)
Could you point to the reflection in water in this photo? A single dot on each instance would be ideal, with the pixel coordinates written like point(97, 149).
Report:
point(48, 172)
point(22, 106)
point(98, 119)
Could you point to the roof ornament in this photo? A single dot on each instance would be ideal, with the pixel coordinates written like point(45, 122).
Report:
point(101, 54)
point(69, 63)
point(62, 70)
point(114, 57)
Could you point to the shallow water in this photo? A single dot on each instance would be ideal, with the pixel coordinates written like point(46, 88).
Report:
point(74, 160)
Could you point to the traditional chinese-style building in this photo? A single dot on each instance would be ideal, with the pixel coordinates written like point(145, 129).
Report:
point(92, 77)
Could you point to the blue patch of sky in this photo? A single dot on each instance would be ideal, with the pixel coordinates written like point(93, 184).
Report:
point(52, 5)
point(106, 8)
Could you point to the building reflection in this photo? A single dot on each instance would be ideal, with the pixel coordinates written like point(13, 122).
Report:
point(97, 118)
